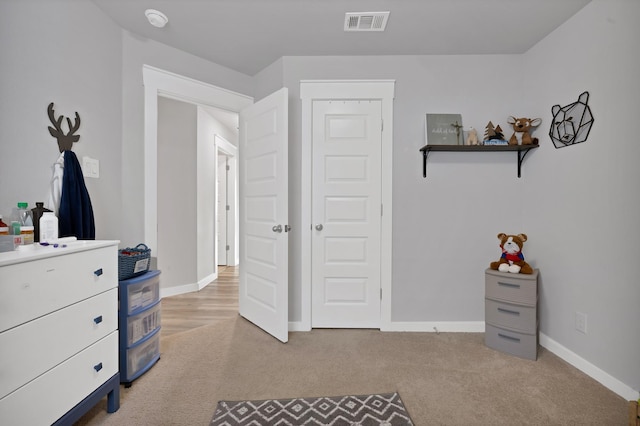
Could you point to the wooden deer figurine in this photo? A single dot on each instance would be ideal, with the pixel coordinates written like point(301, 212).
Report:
point(65, 142)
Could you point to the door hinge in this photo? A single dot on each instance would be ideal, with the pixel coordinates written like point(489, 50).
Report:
point(228, 247)
point(228, 168)
point(382, 125)
point(228, 207)
point(381, 209)
point(380, 294)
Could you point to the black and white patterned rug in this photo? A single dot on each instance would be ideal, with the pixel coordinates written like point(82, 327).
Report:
point(352, 410)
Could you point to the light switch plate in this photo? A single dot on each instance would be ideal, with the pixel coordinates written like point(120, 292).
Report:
point(90, 167)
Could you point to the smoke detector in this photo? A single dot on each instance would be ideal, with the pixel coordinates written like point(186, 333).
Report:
point(365, 21)
point(156, 18)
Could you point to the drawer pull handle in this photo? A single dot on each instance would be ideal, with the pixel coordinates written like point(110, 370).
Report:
point(508, 311)
point(98, 319)
point(509, 285)
point(98, 367)
point(513, 339)
point(97, 272)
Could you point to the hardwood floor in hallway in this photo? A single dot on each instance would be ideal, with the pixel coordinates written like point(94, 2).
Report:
point(217, 301)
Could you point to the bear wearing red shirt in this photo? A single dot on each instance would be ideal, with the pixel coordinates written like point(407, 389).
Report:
point(512, 259)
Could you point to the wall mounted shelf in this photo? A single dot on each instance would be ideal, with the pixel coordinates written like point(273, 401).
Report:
point(521, 151)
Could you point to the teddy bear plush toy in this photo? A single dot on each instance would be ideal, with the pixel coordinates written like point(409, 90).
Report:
point(512, 259)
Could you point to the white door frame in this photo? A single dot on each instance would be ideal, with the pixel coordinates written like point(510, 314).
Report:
point(158, 82)
point(383, 90)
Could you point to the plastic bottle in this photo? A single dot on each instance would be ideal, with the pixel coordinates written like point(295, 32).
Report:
point(48, 228)
point(24, 215)
point(15, 227)
point(4, 228)
point(36, 214)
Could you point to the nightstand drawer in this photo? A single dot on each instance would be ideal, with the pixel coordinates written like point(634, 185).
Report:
point(518, 344)
point(515, 288)
point(515, 317)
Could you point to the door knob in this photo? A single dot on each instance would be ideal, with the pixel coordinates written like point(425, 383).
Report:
point(319, 227)
point(287, 228)
point(277, 228)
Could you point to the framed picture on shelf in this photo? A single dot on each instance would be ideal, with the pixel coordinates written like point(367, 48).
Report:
point(444, 129)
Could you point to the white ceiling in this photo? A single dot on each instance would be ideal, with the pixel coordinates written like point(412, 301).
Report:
point(248, 35)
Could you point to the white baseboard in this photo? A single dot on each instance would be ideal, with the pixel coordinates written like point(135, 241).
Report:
point(298, 326)
point(589, 369)
point(207, 280)
point(187, 288)
point(176, 290)
point(436, 326)
point(429, 327)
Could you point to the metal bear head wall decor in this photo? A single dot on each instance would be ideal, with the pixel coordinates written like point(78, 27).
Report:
point(571, 123)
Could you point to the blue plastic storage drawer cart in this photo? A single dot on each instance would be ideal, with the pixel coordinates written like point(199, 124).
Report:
point(139, 325)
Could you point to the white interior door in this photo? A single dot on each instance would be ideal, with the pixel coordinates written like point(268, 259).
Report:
point(264, 269)
point(346, 213)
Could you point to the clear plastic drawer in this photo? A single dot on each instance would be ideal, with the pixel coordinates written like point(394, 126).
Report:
point(141, 357)
point(139, 292)
point(143, 324)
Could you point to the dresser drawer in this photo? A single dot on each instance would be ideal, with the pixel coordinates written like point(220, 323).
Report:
point(516, 288)
point(515, 317)
point(32, 289)
point(518, 344)
point(61, 388)
point(37, 346)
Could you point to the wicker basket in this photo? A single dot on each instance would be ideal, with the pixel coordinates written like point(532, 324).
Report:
point(133, 261)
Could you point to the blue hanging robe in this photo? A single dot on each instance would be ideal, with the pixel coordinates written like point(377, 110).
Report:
point(75, 215)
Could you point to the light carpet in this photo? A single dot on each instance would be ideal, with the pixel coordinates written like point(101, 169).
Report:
point(444, 379)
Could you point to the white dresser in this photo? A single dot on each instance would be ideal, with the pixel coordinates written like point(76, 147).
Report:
point(58, 332)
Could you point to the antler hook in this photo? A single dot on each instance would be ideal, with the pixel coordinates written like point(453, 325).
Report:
point(65, 141)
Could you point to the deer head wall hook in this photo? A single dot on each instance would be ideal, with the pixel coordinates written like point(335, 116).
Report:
point(65, 142)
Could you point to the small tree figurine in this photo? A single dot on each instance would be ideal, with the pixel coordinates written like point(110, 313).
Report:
point(493, 133)
point(489, 131)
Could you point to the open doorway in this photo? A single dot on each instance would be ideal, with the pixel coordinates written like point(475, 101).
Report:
point(159, 83)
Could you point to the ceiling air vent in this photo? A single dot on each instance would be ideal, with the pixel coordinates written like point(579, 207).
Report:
point(365, 21)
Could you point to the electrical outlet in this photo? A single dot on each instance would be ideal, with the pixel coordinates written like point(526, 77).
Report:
point(581, 322)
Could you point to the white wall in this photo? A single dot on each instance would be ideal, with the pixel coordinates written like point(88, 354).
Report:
point(138, 51)
point(445, 226)
point(582, 204)
point(268, 80)
point(206, 166)
point(177, 201)
point(68, 53)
